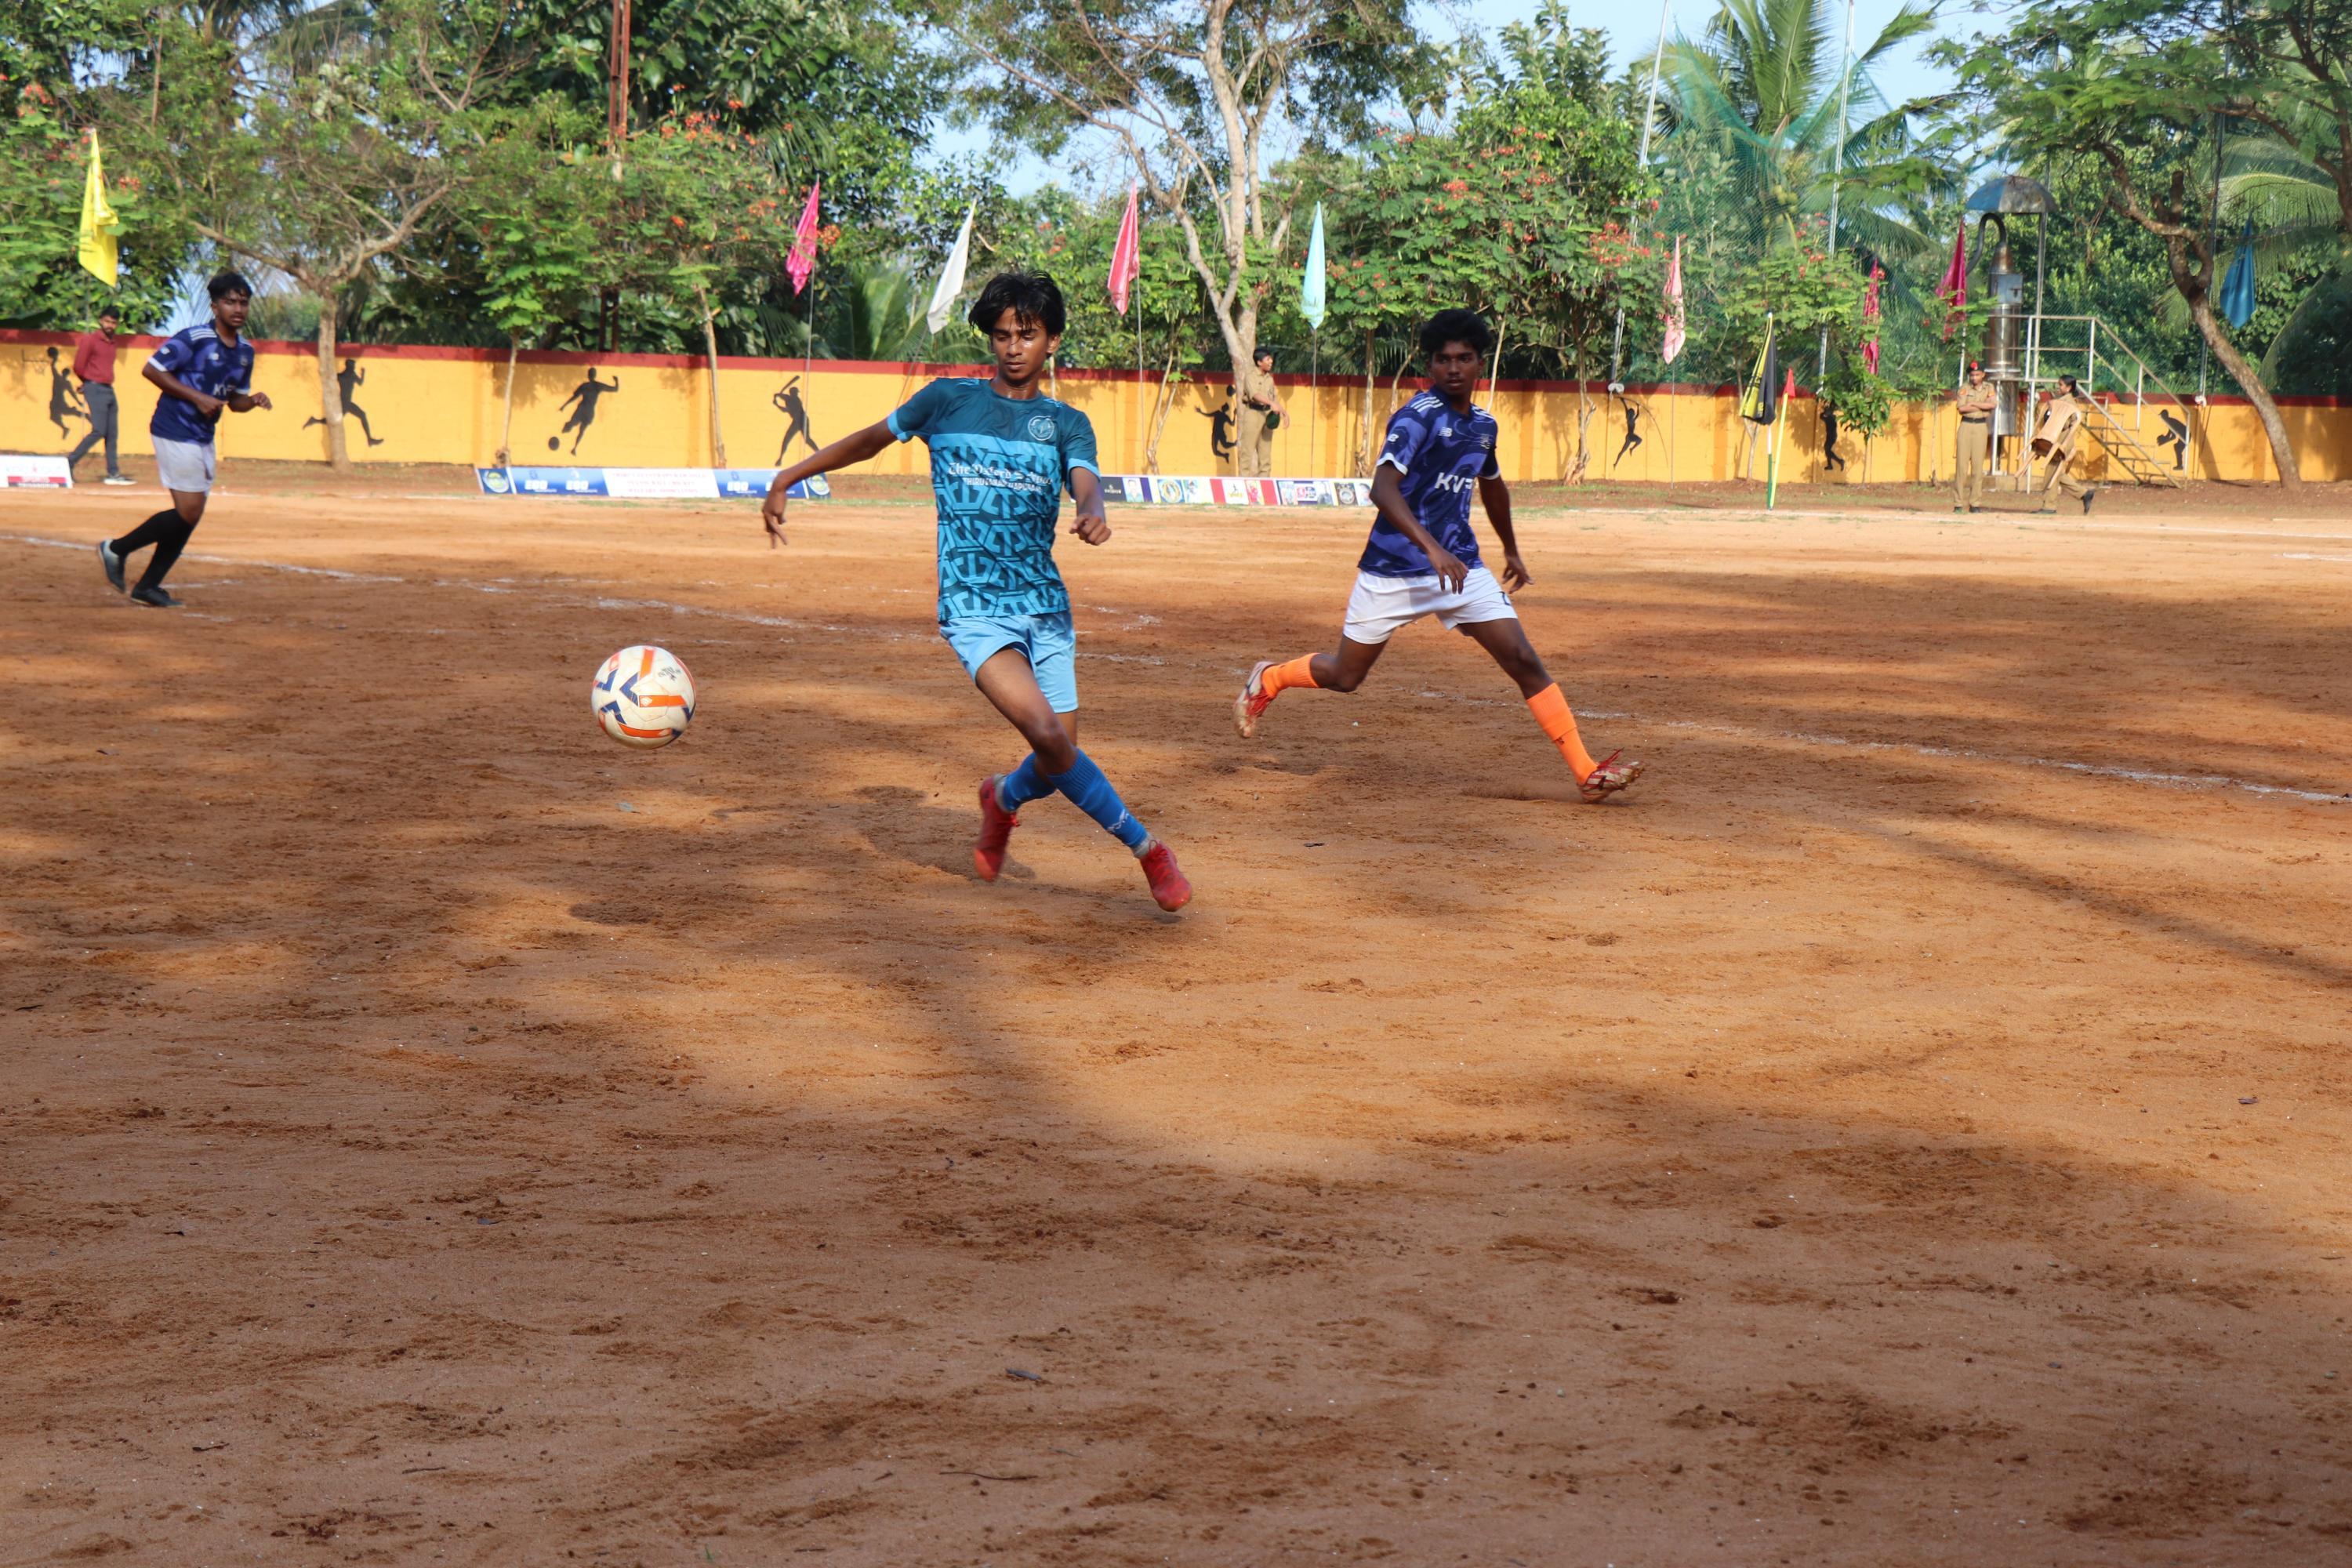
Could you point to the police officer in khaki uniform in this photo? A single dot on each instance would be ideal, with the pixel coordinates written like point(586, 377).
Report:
point(2058, 440)
point(1976, 400)
point(1260, 410)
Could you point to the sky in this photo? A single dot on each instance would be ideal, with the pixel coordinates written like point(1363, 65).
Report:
point(1632, 33)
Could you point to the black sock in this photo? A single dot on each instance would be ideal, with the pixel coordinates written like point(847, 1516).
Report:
point(167, 549)
point(154, 530)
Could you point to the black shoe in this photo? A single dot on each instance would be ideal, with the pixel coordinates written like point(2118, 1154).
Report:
point(154, 598)
point(2088, 497)
point(112, 563)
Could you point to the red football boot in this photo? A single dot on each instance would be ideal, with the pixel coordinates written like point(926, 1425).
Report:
point(1169, 891)
point(996, 825)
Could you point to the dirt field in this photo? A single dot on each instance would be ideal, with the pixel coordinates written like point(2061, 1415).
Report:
point(1912, 1127)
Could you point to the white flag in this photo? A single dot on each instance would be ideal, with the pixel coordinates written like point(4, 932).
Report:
point(943, 297)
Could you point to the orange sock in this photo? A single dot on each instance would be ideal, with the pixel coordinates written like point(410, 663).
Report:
point(1299, 671)
point(1550, 710)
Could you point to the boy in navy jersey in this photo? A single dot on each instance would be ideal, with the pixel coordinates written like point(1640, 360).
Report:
point(1001, 454)
point(200, 372)
point(1422, 558)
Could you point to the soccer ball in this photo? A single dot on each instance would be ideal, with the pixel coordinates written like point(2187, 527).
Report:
point(643, 697)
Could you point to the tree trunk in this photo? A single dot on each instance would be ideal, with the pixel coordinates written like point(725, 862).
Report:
point(2200, 310)
point(711, 343)
point(1160, 405)
point(331, 396)
point(1365, 441)
point(505, 430)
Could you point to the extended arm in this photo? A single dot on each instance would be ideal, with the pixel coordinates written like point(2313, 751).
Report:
point(1495, 496)
point(1090, 524)
point(856, 447)
point(1388, 497)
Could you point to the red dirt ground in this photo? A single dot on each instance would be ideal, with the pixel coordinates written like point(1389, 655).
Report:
point(1893, 1133)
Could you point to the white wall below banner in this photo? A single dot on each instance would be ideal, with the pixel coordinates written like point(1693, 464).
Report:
point(645, 484)
point(19, 471)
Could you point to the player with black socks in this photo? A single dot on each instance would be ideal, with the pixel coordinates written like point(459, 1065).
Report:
point(200, 371)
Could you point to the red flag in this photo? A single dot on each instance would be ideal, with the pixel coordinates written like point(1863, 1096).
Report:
point(1870, 314)
point(1954, 289)
point(1789, 390)
point(1675, 326)
point(1125, 256)
point(802, 259)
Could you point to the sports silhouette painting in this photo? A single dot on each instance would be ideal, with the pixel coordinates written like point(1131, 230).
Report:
point(348, 381)
point(1221, 429)
point(2175, 435)
point(796, 420)
point(587, 394)
point(64, 401)
point(1829, 437)
point(1633, 431)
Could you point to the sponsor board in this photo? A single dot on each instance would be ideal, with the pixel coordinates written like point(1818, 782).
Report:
point(1177, 489)
point(644, 484)
point(20, 471)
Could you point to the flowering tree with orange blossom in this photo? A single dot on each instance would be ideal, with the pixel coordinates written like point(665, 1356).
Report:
point(1519, 212)
point(699, 207)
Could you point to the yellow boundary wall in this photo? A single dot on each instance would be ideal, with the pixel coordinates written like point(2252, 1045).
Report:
point(445, 405)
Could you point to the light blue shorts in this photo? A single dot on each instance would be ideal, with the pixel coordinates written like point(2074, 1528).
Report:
point(1049, 642)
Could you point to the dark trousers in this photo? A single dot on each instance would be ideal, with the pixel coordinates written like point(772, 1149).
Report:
point(104, 422)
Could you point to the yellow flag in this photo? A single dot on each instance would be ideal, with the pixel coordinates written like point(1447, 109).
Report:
point(99, 224)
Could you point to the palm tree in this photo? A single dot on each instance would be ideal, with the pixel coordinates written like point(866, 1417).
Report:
point(2296, 207)
point(1757, 99)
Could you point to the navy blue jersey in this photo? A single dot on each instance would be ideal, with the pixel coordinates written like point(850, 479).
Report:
point(1439, 456)
point(998, 467)
point(203, 363)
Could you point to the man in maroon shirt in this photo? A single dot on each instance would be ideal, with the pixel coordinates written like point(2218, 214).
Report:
point(94, 365)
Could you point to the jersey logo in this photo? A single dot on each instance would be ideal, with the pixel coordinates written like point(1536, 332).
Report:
point(1041, 427)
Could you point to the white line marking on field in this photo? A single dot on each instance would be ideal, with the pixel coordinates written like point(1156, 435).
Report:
point(744, 617)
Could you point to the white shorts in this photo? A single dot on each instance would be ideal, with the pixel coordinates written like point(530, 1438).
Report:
point(184, 465)
point(1379, 606)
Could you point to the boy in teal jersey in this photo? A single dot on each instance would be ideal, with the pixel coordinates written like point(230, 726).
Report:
point(1000, 455)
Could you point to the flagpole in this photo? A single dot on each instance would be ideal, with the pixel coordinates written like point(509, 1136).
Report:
point(1837, 171)
point(1314, 365)
point(1642, 161)
point(1772, 480)
point(808, 345)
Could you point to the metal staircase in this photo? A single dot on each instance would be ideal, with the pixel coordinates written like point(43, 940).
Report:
point(2132, 447)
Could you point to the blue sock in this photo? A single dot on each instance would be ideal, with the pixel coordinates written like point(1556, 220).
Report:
point(1023, 784)
point(1091, 793)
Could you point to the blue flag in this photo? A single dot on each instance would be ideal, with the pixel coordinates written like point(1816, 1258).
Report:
point(1310, 287)
point(2238, 288)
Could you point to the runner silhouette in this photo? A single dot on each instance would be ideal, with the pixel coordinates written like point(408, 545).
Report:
point(1829, 436)
point(63, 398)
point(585, 394)
point(348, 380)
point(788, 398)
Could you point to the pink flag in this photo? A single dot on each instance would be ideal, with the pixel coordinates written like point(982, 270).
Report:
point(802, 259)
point(1954, 288)
point(1673, 347)
point(1127, 256)
point(1870, 314)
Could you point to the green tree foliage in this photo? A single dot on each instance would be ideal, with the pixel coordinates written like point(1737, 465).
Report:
point(53, 91)
point(320, 152)
point(1755, 102)
point(1196, 95)
point(2138, 90)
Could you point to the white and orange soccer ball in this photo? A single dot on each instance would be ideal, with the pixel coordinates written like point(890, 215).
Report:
point(643, 697)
